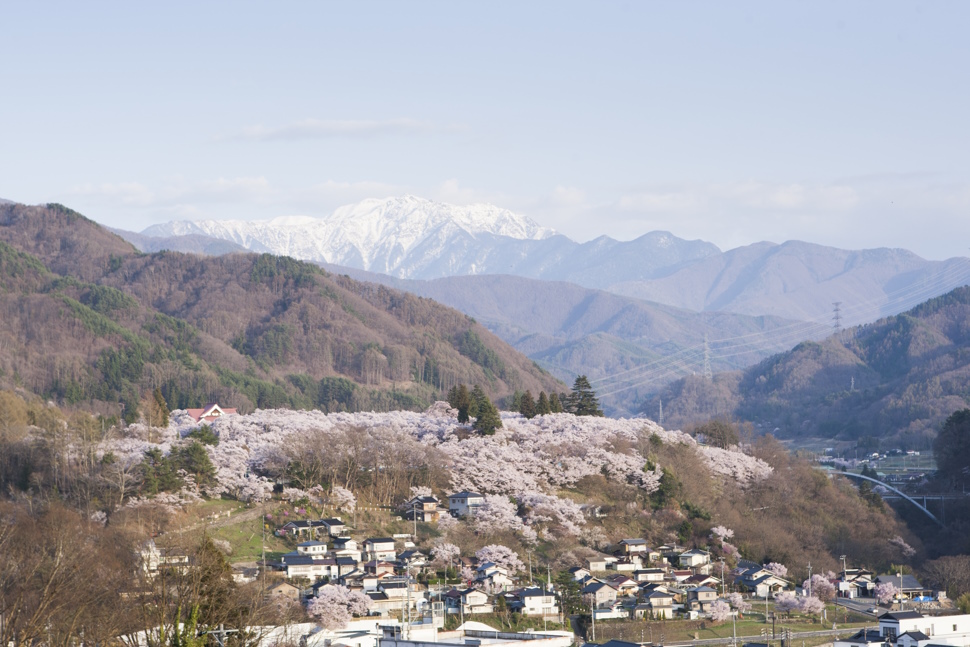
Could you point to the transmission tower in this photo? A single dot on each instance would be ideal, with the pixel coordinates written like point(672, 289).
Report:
point(660, 416)
point(837, 318)
point(707, 360)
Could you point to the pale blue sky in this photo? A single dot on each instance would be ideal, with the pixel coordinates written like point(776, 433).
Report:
point(839, 123)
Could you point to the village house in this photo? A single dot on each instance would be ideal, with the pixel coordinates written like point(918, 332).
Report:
point(209, 413)
point(656, 604)
point(312, 548)
point(380, 548)
point(856, 582)
point(912, 629)
point(670, 553)
point(624, 585)
point(701, 580)
point(536, 602)
point(630, 547)
point(464, 504)
point(467, 602)
point(283, 590)
point(579, 573)
point(908, 586)
point(600, 563)
point(679, 576)
point(601, 593)
point(492, 576)
point(310, 568)
point(700, 598)
point(412, 559)
point(696, 559)
point(426, 508)
point(760, 582)
point(311, 527)
point(376, 567)
point(649, 575)
point(346, 547)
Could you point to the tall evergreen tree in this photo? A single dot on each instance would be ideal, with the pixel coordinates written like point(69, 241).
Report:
point(459, 398)
point(582, 401)
point(542, 407)
point(464, 404)
point(488, 419)
point(527, 405)
point(476, 397)
point(555, 403)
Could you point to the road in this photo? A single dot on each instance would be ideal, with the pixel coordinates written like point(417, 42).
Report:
point(759, 638)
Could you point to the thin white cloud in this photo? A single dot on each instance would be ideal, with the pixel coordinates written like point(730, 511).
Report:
point(177, 193)
point(327, 128)
point(747, 195)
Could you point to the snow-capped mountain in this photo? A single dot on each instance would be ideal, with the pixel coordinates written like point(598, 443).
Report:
point(410, 237)
point(376, 235)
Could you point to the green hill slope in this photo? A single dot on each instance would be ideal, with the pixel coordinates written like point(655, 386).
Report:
point(897, 378)
point(91, 319)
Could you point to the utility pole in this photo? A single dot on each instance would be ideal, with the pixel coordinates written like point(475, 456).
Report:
point(809, 579)
point(220, 634)
point(722, 577)
point(707, 359)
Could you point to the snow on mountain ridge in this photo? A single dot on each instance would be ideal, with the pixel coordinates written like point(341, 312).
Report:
point(372, 233)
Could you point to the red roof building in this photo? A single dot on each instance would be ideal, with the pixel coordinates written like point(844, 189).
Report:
point(210, 412)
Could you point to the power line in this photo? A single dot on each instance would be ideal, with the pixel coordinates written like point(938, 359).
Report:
point(652, 371)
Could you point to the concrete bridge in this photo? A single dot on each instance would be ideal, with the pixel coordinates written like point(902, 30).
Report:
point(892, 489)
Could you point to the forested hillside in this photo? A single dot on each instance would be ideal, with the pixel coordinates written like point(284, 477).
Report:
point(89, 319)
point(898, 378)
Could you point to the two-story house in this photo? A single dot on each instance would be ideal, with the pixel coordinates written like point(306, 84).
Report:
point(380, 549)
point(700, 598)
point(464, 504)
point(536, 602)
point(425, 508)
point(600, 594)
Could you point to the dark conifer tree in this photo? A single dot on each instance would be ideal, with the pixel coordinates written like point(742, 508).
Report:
point(542, 407)
point(555, 403)
point(582, 401)
point(527, 405)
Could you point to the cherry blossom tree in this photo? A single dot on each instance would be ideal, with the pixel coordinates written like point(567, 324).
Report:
point(777, 569)
point(885, 591)
point(904, 548)
point(343, 499)
point(737, 601)
point(720, 611)
point(810, 605)
point(420, 490)
point(335, 605)
point(786, 602)
point(444, 554)
point(821, 586)
point(721, 532)
point(500, 556)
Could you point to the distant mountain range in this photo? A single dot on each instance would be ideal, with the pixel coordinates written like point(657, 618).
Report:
point(602, 308)
point(413, 238)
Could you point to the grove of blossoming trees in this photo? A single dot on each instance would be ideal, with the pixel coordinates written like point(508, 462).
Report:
point(384, 458)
